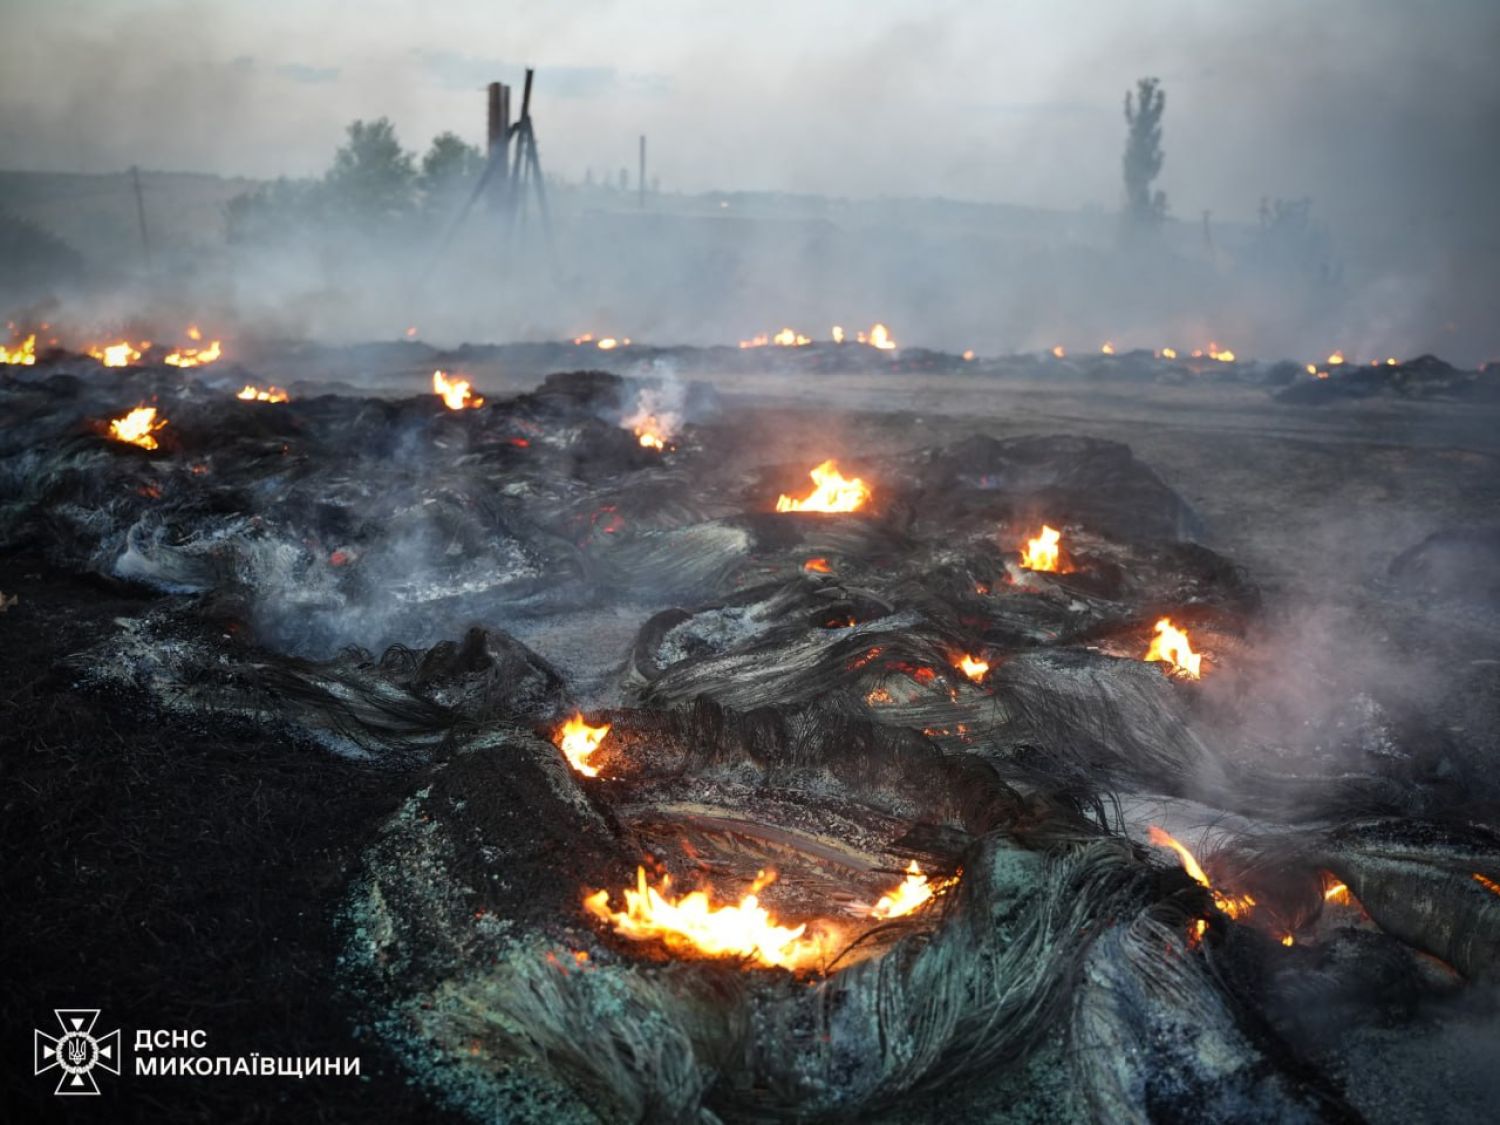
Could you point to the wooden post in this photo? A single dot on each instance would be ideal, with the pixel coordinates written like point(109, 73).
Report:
point(140, 213)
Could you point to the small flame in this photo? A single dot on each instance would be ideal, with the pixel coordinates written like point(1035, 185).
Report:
point(1487, 883)
point(832, 494)
point(118, 355)
point(880, 337)
point(1042, 553)
point(787, 338)
point(252, 393)
point(609, 343)
point(1058, 351)
point(1169, 353)
point(968, 356)
point(138, 427)
point(693, 924)
point(411, 333)
point(586, 338)
point(1335, 359)
point(1107, 349)
point(1232, 906)
point(1337, 892)
point(1223, 355)
point(455, 393)
point(1288, 940)
point(578, 741)
point(818, 566)
point(23, 354)
point(911, 893)
point(973, 667)
point(1171, 645)
point(194, 357)
point(1390, 361)
point(838, 334)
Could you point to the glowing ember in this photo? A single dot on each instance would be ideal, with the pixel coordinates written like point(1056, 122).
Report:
point(1058, 351)
point(832, 494)
point(1107, 348)
point(1487, 883)
point(1234, 907)
point(578, 741)
point(1171, 645)
point(1336, 892)
point(913, 892)
point(818, 566)
point(693, 924)
point(1042, 553)
point(138, 427)
point(194, 357)
point(880, 337)
point(22, 354)
point(118, 355)
point(973, 667)
point(252, 393)
point(1288, 940)
point(455, 393)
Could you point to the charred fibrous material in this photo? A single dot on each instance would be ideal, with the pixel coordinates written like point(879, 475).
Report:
point(847, 699)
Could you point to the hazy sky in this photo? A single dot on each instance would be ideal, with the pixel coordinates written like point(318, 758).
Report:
point(1390, 105)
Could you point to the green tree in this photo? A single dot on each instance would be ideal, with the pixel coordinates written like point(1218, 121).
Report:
point(450, 168)
point(1144, 209)
point(372, 178)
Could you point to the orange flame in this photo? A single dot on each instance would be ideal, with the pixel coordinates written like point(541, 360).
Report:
point(118, 355)
point(578, 741)
point(1042, 552)
point(787, 338)
point(693, 924)
point(23, 354)
point(1335, 358)
point(194, 357)
point(1223, 355)
point(818, 566)
point(1337, 892)
point(252, 393)
point(973, 667)
point(1487, 883)
point(455, 393)
point(1232, 906)
point(138, 427)
point(832, 494)
point(1171, 645)
point(880, 337)
point(1058, 351)
point(910, 894)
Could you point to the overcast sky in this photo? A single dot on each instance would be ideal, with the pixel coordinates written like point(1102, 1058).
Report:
point(1380, 108)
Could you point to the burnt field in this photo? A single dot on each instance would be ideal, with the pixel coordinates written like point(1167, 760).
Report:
point(1083, 739)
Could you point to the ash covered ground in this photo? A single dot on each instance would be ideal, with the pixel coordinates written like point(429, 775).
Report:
point(220, 816)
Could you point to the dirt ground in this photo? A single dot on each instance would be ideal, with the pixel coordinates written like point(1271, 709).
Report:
point(177, 881)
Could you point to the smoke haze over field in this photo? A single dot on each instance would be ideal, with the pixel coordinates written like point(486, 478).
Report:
point(1381, 113)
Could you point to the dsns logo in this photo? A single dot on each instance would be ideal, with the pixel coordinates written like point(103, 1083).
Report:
point(77, 1051)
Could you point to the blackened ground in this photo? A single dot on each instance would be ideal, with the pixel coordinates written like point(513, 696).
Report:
point(174, 878)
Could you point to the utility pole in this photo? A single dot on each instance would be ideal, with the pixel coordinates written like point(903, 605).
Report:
point(140, 214)
point(641, 179)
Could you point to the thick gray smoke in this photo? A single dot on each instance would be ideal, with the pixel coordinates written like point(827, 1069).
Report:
point(1375, 113)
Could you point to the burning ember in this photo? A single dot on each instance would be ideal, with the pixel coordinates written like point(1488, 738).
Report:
point(1171, 644)
point(455, 393)
point(194, 356)
point(832, 494)
point(1487, 883)
point(913, 892)
point(818, 566)
point(692, 924)
point(22, 354)
point(270, 394)
point(1042, 553)
point(1232, 906)
point(578, 741)
point(122, 354)
point(973, 667)
point(1337, 892)
point(138, 427)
